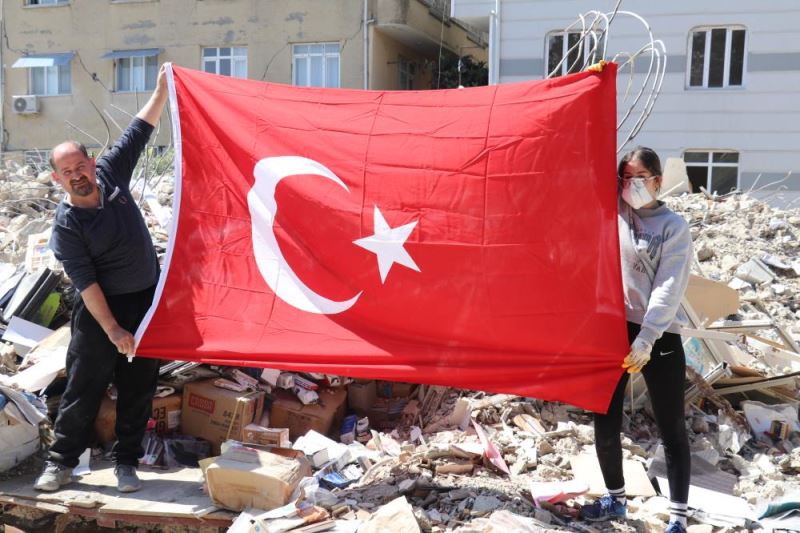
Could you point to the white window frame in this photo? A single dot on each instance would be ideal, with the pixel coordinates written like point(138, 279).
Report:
point(710, 164)
point(726, 67)
point(237, 56)
point(585, 47)
point(325, 56)
point(58, 80)
point(46, 3)
point(131, 82)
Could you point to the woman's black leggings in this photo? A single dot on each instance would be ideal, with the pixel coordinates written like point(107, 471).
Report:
point(665, 376)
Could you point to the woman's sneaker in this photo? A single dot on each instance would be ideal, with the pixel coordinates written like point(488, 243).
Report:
point(675, 527)
point(53, 477)
point(606, 508)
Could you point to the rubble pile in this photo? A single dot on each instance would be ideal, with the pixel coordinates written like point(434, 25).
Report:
point(326, 452)
point(752, 247)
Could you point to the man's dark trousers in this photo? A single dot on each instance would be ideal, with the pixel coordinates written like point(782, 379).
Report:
point(93, 362)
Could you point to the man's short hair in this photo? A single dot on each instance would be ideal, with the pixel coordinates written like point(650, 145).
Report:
point(75, 144)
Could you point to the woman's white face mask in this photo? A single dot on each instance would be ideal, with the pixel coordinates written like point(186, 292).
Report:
point(635, 193)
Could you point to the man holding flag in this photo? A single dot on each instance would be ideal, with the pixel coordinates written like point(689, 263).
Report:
point(101, 238)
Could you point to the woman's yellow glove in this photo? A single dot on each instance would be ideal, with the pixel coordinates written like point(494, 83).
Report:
point(638, 356)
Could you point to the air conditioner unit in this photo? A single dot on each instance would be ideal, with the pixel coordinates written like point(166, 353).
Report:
point(26, 104)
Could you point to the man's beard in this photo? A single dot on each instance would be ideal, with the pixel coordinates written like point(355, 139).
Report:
point(82, 187)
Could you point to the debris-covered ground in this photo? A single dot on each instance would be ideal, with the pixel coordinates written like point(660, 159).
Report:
point(436, 459)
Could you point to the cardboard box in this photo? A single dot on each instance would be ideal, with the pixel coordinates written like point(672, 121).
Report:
point(244, 478)
point(288, 412)
point(218, 414)
point(255, 434)
point(166, 413)
point(361, 396)
point(395, 389)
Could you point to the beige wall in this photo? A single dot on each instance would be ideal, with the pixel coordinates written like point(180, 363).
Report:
point(385, 54)
point(181, 28)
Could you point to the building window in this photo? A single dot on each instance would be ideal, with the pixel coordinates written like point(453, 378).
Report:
point(316, 65)
point(406, 71)
point(716, 57)
point(562, 44)
point(716, 172)
point(226, 61)
point(38, 159)
point(45, 2)
point(50, 81)
point(137, 73)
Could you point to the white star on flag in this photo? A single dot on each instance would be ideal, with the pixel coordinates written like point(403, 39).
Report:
point(387, 244)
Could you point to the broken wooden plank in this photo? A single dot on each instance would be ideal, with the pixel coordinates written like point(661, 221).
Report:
point(766, 383)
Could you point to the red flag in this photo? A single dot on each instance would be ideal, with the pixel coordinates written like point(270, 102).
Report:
point(456, 237)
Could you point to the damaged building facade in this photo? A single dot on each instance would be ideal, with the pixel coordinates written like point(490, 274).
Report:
point(728, 104)
point(71, 65)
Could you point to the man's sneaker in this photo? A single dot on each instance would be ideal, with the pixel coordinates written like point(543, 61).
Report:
point(606, 508)
point(127, 480)
point(53, 477)
point(675, 527)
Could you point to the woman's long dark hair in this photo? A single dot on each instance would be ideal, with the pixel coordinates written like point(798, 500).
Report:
point(648, 158)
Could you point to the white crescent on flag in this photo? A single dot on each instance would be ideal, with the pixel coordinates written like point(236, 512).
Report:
point(273, 266)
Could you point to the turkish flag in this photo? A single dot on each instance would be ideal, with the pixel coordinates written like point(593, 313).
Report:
point(463, 237)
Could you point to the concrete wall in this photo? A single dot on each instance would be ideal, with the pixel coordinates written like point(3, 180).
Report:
point(759, 120)
point(268, 28)
point(385, 55)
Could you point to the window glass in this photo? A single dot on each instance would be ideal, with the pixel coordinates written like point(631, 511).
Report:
point(723, 179)
point(716, 67)
point(151, 72)
point(737, 58)
point(64, 79)
point(554, 53)
point(301, 71)
point(137, 74)
point(37, 81)
point(698, 177)
point(698, 59)
point(696, 157)
point(51, 80)
point(575, 52)
point(224, 67)
point(332, 71)
point(316, 71)
point(240, 68)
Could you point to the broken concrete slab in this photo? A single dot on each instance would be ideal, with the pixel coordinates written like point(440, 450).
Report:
point(396, 516)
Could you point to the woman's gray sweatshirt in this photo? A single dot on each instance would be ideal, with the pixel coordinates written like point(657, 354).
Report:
point(656, 251)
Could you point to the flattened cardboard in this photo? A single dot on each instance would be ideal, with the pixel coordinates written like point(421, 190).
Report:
point(586, 468)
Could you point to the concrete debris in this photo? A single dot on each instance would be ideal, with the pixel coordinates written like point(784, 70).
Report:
point(396, 515)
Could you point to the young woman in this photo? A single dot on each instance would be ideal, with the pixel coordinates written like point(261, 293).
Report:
point(656, 251)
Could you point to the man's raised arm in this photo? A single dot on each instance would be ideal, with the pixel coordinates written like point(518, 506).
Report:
point(151, 112)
